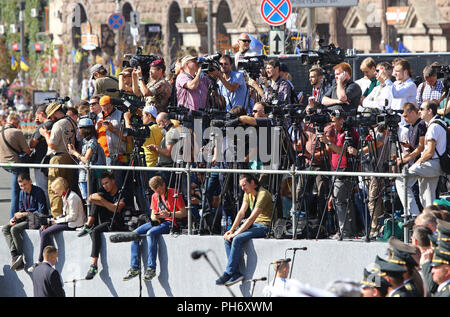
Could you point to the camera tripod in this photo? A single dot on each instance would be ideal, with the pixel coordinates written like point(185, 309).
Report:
point(139, 181)
point(324, 164)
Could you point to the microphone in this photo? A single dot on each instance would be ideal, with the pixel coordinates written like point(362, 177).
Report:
point(259, 279)
point(198, 254)
point(124, 237)
point(281, 261)
point(296, 249)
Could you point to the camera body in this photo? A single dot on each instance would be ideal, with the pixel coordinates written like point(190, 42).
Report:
point(140, 60)
point(209, 63)
point(252, 65)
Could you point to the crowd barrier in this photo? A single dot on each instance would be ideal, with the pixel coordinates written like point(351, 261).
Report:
point(293, 172)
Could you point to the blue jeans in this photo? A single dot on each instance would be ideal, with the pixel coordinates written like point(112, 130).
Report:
point(234, 248)
point(153, 234)
point(15, 189)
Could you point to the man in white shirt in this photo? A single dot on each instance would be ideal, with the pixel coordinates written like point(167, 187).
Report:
point(377, 98)
point(404, 89)
point(427, 169)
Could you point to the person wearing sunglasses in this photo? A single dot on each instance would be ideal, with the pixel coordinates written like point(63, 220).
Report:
point(244, 48)
point(231, 85)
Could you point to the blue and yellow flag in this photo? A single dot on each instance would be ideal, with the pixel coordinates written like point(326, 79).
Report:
point(23, 64)
point(401, 48)
point(14, 63)
point(112, 69)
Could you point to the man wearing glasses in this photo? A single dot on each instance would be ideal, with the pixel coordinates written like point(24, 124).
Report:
point(244, 48)
point(427, 169)
point(378, 96)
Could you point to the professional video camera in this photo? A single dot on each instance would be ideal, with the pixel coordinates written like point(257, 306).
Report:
point(443, 71)
point(183, 114)
point(57, 100)
point(293, 111)
point(390, 119)
point(209, 63)
point(326, 55)
point(139, 60)
point(318, 118)
point(139, 132)
point(252, 65)
point(126, 105)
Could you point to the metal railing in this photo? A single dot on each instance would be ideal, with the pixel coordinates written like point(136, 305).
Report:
point(293, 172)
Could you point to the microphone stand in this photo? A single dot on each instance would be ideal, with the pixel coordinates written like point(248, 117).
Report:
point(218, 274)
point(74, 281)
point(254, 283)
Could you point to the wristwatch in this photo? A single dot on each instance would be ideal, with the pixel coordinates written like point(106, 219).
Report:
point(141, 78)
point(329, 143)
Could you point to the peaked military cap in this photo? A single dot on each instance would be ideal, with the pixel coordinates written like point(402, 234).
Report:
point(401, 253)
point(390, 268)
point(441, 254)
point(373, 278)
point(443, 230)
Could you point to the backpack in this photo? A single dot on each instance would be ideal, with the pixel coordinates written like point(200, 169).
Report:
point(444, 158)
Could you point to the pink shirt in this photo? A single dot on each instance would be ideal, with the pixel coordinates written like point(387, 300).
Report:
point(192, 99)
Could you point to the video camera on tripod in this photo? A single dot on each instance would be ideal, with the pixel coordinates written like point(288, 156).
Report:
point(326, 55)
point(61, 100)
point(252, 65)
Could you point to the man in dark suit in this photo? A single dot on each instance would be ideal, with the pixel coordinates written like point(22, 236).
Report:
point(46, 280)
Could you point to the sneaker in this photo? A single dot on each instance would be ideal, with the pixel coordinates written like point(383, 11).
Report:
point(235, 278)
point(149, 274)
point(92, 271)
point(223, 279)
point(32, 268)
point(132, 272)
point(85, 230)
point(17, 263)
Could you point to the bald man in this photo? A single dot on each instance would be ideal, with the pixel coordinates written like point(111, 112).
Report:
point(244, 48)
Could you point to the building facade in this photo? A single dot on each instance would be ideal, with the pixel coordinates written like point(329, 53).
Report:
point(168, 27)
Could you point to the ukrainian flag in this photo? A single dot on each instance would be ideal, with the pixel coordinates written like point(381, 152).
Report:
point(23, 64)
point(14, 63)
point(112, 69)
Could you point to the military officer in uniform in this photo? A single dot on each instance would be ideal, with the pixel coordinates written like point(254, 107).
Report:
point(374, 284)
point(402, 254)
point(393, 273)
point(440, 264)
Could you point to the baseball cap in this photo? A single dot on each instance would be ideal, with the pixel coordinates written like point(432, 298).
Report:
point(105, 100)
point(85, 122)
point(186, 59)
point(152, 110)
point(94, 69)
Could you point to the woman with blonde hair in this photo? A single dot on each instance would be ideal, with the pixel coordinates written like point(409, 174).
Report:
point(72, 216)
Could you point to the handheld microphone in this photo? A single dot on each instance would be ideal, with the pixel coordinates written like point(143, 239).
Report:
point(124, 237)
point(197, 254)
point(259, 279)
point(281, 261)
point(296, 249)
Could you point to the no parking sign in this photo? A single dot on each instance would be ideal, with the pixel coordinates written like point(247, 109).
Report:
point(276, 12)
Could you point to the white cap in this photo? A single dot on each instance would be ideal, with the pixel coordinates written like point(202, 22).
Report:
point(152, 110)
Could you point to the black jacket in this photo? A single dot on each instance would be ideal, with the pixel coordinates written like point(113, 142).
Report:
point(47, 282)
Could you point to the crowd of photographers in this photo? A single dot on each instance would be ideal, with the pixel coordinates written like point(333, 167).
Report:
point(378, 123)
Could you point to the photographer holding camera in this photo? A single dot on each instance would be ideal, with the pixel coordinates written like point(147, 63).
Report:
point(316, 159)
point(158, 90)
point(343, 188)
point(344, 91)
point(192, 85)
point(275, 88)
point(232, 84)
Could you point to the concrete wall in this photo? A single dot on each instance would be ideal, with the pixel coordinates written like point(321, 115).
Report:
point(181, 276)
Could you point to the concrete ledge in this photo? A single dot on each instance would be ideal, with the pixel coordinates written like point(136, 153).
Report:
point(181, 276)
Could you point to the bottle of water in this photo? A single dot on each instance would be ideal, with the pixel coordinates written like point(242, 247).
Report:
point(223, 224)
point(229, 223)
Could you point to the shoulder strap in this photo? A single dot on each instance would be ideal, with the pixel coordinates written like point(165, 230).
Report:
point(6, 142)
point(446, 130)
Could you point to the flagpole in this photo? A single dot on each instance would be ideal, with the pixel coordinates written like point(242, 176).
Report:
point(22, 36)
